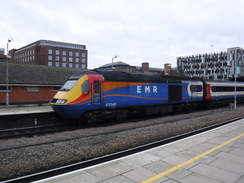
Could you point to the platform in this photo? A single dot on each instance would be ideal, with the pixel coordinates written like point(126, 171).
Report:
point(24, 109)
point(215, 156)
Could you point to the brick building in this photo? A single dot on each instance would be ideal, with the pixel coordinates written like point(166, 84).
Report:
point(32, 84)
point(51, 53)
point(2, 55)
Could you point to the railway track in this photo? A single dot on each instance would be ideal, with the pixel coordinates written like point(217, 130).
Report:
point(87, 163)
point(34, 130)
point(42, 130)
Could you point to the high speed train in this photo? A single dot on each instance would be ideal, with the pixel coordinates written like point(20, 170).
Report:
point(91, 96)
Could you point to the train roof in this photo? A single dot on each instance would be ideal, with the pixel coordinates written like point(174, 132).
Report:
point(127, 77)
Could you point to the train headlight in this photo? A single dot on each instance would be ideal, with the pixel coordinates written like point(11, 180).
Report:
point(61, 101)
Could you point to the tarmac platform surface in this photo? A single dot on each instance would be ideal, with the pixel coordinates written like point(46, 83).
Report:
point(215, 156)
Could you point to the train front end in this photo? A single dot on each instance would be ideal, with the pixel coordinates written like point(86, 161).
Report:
point(70, 101)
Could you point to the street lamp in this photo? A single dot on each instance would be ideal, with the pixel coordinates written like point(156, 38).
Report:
point(7, 57)
point(116, 56)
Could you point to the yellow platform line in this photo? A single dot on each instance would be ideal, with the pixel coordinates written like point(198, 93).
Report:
point(160, 175)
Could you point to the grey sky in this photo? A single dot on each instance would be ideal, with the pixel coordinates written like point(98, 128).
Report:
point(154, 31)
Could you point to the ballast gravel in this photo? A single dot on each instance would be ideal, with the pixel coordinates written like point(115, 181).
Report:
point(87, 143)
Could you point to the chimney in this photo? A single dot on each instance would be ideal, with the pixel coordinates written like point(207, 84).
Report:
point(167, 69)
point(145, 67)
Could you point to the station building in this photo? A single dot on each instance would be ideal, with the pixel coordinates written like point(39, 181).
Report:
point(214, 66)
point(32, 84)
point(124, 67)
point(51, 53)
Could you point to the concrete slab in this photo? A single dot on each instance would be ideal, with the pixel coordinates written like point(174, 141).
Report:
point(118, 179)
point(229, 165)
point(158, 166)
point(237, 151)
point(216, 173)
point(178, 174)
point(230, 157)
point(111, 169)
point(141, 159)
point(139, 174)
point(77, 176)
point(241, 180)
point(194, 177)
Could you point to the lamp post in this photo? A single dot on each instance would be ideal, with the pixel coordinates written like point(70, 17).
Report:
point(116, 56)
point(7, 57)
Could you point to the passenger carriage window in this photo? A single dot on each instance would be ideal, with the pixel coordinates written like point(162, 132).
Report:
point(196, 88)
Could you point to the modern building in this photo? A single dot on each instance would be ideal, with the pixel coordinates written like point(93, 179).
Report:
point(51, 53)
point(214, 66)
point(124, 67)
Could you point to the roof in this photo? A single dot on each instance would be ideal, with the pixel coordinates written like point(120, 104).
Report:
point(127, 77)
point(119, 63)
point(35, 74)
point(122, 76)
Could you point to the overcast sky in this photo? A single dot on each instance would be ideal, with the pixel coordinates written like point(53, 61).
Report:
point(154, 31)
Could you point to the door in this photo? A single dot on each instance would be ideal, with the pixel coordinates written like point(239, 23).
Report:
point(96, 92)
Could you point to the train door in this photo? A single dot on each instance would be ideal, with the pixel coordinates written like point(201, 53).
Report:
point(95, 83)
point(96, 92)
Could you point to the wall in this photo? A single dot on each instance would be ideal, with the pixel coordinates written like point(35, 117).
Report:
point(19, 94)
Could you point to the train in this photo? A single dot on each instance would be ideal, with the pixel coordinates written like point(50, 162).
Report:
point(91, 96)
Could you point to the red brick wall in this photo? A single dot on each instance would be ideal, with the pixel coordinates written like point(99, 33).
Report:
point(19, 94)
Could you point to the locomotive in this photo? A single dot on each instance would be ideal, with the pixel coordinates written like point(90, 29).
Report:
point(91, 96)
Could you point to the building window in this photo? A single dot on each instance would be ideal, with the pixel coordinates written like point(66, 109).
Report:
point(57, 52)
point(83, 54)
point(56, 88)
point(70, 53)
point(50, 57)
point(77, 59)
point(83, 66)
point(64, 59)
point(50, 64)
point(50, 51)
point(76, 65)
point(57, 58)
point(63, 64)
point(33, 88)
point(77, 54)
point(70, 65)
point(57, 64)
point(70, 59)
point(4, 88)
point(64, 52)
point(83, 60)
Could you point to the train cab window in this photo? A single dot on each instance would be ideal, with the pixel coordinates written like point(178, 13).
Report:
point(97, 87)
point(68, 85)
point(84, 87)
